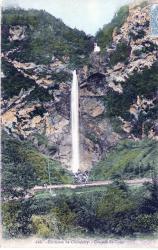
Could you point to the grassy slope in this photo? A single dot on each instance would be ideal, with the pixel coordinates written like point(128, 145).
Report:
point(21, 152)
point(128, 159)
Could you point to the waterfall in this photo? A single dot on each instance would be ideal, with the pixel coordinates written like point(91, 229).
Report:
point(75, 124)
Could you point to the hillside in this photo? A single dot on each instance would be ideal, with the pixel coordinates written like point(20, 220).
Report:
point(28, 167)
point(132, 102)
point(128, 160)
point(118, 94)
point(39, 37)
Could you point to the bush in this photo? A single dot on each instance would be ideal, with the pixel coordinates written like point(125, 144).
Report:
point(145, 223)
point(139, 35)
point(57, 223)
point(121, 54)
point(16, 218)
point(40, 226)
point(14, 81)
point(114, 202)
point(17, 179)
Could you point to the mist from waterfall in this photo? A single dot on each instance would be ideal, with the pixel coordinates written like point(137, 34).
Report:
point(75, 124)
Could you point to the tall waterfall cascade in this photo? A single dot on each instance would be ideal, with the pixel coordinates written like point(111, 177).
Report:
point(75, 163)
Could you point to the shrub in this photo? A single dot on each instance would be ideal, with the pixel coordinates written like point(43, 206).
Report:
point(121, 53)
point(14, 81)
point(145, 223)
point(40, 226)
point(16, 218)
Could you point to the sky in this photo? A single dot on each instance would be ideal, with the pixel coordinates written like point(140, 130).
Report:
point(86, 15)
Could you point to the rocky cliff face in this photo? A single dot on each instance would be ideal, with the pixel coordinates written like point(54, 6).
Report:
point(39, 104)
point(133, 77)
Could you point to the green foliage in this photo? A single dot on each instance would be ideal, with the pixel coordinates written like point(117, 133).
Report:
point(42, 139)
point(45, 36)
point(143, 83)
point(17, 179)
point(146, 223)
point(114, 201)
point(61, 77)
point(55, 224)
point(120, 215)
point(42, 203)
point(14, 81)
point(24, 166)
point(40, 94)
point(128, 159)
point(57, 219)
point(139, 35)
point(104, 35)
point(112, 210)
point(117, 210)
point(121, 53)
point(41, 226)
point(16, 218)
point(84, 206)
point(92, 137)
point(10, 213)
point(116, 124)
point(65, 219)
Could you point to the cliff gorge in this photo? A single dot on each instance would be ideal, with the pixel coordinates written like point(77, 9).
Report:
point(118, 86)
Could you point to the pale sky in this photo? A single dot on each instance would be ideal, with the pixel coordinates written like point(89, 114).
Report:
point(86, 15)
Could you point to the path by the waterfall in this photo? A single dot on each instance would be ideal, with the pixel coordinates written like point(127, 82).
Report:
point(133, 182)
point(93, 184)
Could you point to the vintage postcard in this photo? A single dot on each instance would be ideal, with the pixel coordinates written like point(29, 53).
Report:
point(79, 137)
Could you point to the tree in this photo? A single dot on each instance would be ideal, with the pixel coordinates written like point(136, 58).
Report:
point(17, 179)
point(116, 211)
point(16, 218)
point(150, 204)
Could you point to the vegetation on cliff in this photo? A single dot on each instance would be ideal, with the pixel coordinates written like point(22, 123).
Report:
point(104, 35)
point(143, 84)
point(121, 54)
point(128, 160)
point(24, 167)
point(45, 37)
point(14, 81)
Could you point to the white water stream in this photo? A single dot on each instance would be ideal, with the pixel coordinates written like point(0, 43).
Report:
point(75, 124)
